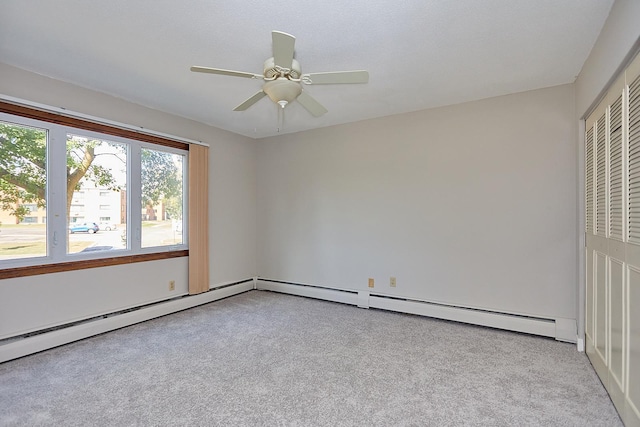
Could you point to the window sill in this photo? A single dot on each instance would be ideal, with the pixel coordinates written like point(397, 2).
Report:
point(34, 270)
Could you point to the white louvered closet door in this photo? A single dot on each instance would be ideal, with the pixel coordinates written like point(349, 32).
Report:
point(612, 235)
point(601, 261)
point(616, 177)
point(632, 300)
point(616, 210)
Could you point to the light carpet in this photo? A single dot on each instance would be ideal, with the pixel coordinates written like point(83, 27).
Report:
point(266, 359)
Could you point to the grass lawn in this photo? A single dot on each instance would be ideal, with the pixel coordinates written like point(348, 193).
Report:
point(156, 223)
point(34, 248)
point(25, 226)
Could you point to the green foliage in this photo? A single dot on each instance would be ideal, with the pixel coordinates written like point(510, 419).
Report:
point(173, 206)
point(161, 178)
point(22, 168)
point(23, 174)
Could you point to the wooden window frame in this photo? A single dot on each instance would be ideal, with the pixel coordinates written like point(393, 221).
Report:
point(61, 119)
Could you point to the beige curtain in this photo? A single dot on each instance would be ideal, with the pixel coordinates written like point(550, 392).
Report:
point(198, 219)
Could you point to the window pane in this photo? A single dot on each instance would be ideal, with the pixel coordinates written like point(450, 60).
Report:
point(23, 178)
point(162, 194)
point(96, 189)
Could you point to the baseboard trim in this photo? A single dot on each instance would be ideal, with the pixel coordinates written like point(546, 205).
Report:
point(33, 344)
point(309, 291)
point(475, 317)
point(566, 330)
point(506, 321)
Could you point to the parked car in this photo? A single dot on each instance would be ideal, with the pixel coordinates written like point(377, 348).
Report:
point(85, 227)
point(107, 226)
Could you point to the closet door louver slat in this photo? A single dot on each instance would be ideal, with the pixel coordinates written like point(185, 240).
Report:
point(634, 162)
point(616, 176)
point(601, 177)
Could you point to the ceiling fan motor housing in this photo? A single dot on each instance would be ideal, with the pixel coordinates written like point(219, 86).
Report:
point(271, 70)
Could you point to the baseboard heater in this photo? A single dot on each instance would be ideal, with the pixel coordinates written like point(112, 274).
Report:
point(560, 329)
point(15, 347)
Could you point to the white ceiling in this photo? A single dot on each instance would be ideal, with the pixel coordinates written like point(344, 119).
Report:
point(419, 53)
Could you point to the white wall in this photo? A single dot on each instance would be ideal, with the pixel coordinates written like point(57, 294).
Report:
point(31, 303)
point(473, 204)
point(41, 301)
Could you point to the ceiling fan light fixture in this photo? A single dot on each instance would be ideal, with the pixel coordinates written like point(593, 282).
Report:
point(282, 89)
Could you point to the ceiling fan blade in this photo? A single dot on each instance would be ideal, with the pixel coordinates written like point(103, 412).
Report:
point(249, 102)
point(336, 77)
point(198, 69)
point(283, 44)
point(312, 106)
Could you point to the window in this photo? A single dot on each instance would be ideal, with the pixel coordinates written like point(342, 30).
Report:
point(23, 189)
point(162, 197)
point(96, 169)
point(95, 177)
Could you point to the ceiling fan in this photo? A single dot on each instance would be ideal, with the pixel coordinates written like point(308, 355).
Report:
point(283, 77)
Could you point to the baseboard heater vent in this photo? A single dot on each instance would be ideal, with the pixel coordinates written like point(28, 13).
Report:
point(438, 304)
point(311, 291)
point(508, 321)
point(33, 342)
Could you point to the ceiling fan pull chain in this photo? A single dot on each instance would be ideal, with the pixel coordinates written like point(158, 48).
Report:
point(281, 105)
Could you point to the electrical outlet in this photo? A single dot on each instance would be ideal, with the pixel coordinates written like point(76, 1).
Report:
point(370, 282)
point(172, 285)
point(392, 282)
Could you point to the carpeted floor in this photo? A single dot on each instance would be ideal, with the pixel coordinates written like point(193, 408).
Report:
point(262, 358)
